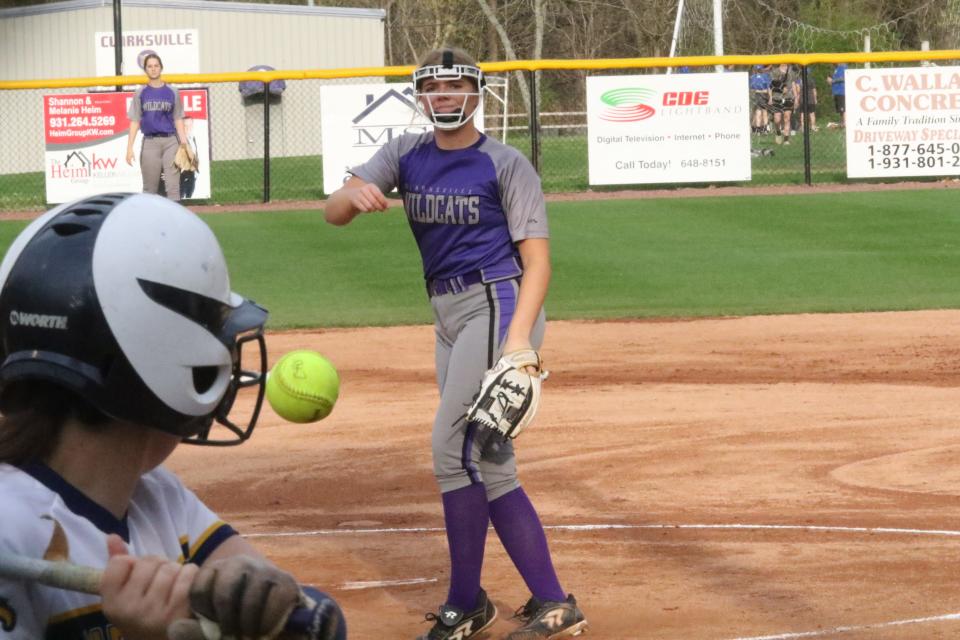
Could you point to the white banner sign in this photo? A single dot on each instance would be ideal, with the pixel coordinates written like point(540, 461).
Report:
point(179, 49)
point(358, 119)
point(903, 122)
point(86, 145)
point(668, 128)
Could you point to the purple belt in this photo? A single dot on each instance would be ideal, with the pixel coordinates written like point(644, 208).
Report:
point(457, 284)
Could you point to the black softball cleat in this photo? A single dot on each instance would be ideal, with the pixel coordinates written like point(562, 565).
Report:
point(452, 623)
point(549, 620)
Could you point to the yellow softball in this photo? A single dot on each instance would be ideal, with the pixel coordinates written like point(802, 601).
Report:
point(303, 386)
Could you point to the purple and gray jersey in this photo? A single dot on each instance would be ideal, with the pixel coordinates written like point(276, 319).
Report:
point(156, 108)
point(466, 207)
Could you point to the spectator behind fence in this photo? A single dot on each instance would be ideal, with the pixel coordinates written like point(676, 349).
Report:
point(783, 97)
point(808, 102)
point(157, 111)
point(839, 90)
point(760, 90)
point(798, 100)
point(188, 177)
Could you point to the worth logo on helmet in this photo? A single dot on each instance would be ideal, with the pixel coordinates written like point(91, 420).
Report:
point(627, 104)
point(39, 320)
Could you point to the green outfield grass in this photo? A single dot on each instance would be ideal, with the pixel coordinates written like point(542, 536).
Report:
point(234, 182)
point(563, 169)
point(624, 259)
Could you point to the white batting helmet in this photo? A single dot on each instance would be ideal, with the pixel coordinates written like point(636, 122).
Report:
point(125, 300)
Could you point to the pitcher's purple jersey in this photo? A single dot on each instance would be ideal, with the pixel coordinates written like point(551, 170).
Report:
point(466, 207)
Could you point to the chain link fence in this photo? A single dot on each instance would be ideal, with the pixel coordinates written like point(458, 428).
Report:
point(555, 139)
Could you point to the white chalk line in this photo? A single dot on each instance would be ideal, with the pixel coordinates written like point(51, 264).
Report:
point(848, 629)
point(615, 527)
point(379, 584)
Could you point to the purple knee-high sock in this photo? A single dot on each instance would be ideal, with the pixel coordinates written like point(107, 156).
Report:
point(467, 516)
point(521, 533)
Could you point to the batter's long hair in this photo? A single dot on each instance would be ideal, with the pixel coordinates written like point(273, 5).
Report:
point(34, 413)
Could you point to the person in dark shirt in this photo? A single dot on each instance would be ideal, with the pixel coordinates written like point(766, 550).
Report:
point(808, 103)
point(783, 98)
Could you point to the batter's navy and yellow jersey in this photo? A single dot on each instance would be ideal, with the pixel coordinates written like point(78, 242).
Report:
point(164, 519)
point(466, 207)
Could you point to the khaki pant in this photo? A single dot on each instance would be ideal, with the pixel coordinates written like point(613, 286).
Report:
point(156, 157)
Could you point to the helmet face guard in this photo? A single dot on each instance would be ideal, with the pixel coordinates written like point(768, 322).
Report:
point(124, 299)
point(448, 121)
point(240, 379)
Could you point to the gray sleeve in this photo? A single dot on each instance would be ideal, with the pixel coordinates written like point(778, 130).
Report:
point(134, 113)
point(383, 169)
point(521, 196)
point(177, 104)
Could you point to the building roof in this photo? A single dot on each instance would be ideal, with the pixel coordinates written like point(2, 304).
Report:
point(197, 5)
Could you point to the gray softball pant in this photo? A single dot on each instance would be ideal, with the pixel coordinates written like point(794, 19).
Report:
point(470, 328)
point(156, 157)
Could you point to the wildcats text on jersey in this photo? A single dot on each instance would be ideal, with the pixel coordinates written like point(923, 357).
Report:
point(442, 208)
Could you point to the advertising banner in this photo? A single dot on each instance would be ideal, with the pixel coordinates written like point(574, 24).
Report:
point(86, 144)
point(647, 129)
point(179, 49)
point(903, 122)
point(358, 119)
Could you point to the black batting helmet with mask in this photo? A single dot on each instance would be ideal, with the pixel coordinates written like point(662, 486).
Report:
point(448, 64)
point(125, 300)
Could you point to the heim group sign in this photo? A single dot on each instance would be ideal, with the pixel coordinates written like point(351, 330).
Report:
point(85, 138)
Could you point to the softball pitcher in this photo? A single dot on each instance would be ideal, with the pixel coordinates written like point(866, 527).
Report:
point(478, 215)
point(120, 338)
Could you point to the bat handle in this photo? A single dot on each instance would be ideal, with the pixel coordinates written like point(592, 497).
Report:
point(319, 618)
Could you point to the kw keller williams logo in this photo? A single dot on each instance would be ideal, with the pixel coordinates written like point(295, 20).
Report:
point(627, 105)
point(78, 165)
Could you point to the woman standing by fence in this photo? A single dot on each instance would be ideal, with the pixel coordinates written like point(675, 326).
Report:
point(156, 110)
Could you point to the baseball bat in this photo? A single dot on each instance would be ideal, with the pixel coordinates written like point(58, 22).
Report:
point(60, 573)
point(312, 622)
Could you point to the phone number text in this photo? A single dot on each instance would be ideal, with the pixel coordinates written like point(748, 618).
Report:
point(82, 121)
point(933, 155)
point(696, 163)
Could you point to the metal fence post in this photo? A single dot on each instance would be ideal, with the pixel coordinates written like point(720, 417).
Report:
point(805, 117)
point(117, 41)
point(534, 122)
point(266, 142)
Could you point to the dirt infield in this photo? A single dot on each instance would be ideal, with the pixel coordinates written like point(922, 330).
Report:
point(734, 478)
